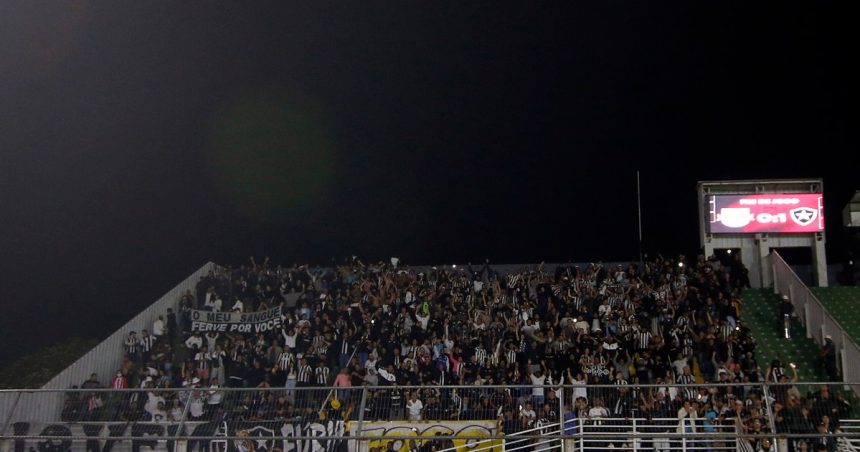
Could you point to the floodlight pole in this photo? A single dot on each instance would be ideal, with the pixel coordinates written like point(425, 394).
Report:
point(639, 210)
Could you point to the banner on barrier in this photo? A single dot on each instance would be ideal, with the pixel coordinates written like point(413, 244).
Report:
point(467, 432)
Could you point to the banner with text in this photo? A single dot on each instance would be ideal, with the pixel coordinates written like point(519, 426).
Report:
point(235, 322)
point(469, 435)
point(260, 436)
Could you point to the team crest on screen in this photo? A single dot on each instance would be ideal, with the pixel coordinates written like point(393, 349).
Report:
point(803, 215)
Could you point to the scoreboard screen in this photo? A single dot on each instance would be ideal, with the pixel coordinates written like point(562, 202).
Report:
point(779, 213)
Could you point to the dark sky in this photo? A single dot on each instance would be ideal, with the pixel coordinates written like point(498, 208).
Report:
point(139, 140)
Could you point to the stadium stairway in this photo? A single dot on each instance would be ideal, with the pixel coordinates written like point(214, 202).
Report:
point(843, 303)
point(759, 311)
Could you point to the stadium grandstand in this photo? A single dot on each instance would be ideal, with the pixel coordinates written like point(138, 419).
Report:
point(667, 354)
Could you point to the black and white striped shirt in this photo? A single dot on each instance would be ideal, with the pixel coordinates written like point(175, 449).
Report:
point(202, 359)
point(286, 360)
point(322, 348)
point(688, 346)
point(689, 392)
point(322, 373)
point(643, 337)
point(146, 343)
point(576, 302)
point(512, 357)
point(304, 374)
point(480, 356)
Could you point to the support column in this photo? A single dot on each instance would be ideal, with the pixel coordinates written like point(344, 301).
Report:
point(762, 262)
point(819, 259)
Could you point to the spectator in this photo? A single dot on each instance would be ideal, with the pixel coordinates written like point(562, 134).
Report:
point(158, 327)
point(132, 346)
point(194, 342)
point(356, 324)
point(828, 358)
point(414, 407)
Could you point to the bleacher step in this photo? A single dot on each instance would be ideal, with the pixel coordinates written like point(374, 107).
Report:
point(760, 312)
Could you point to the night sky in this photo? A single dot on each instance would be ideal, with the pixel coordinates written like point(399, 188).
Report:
point(139, 140)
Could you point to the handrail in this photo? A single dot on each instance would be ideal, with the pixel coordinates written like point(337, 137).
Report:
point(9, 414)
point(812, 297)
point(405, 387)
point(806, 301)
point(844, 444)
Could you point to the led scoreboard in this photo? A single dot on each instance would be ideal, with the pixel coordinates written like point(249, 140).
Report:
point(777, 213)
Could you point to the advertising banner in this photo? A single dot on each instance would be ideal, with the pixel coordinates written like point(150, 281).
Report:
point(470, 434)
point(261, 436)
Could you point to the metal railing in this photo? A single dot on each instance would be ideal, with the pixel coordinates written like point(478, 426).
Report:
point(387, 418)
point(818, 321)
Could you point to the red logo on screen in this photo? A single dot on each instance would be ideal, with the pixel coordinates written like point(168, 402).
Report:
point(803, 215)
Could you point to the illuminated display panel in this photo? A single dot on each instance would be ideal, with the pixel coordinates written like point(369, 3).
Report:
point(784, 213)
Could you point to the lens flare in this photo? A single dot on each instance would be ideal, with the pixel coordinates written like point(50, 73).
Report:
point(270, 156)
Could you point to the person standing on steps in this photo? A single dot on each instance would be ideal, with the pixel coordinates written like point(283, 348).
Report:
point(828, 358)
point(786, 311)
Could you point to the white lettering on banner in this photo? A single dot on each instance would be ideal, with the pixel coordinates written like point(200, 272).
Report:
point(205, 326)
point(161, 437)
point(261, 321)
point(220, 317)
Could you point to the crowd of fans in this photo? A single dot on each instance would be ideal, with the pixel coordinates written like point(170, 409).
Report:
point(665, 322)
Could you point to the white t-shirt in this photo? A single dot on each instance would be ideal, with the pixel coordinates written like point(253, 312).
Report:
point(238, 305)
point(679, 365)
point(529, 414)
point(414, 408)
point(158, 328)
point(214, 395)
point(598, 411)
point(152, 401)
point(537, 391)
point(423, 320)
point(580, 391)
point(196, 407)
point(289, 341)
point(194, 340)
